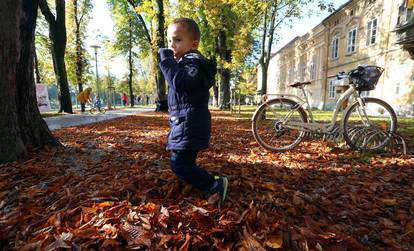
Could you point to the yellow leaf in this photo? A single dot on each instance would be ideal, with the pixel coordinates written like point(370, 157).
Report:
point(275, 241)
point(106, 204)
point(389, 202)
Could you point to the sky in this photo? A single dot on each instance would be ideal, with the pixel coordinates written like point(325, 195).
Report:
point(101, 23)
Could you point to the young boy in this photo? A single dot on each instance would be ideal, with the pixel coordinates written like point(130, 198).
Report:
point(189, 76)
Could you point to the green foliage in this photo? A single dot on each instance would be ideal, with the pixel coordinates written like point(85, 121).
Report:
point(238, 19)
point(77, 19)
point(247, 81)
point(43, 51)
point(129, 32)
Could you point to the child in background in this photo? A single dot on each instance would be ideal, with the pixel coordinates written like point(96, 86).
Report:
point(189, 76)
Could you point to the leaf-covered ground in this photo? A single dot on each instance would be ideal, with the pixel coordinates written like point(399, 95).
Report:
point(111, 188)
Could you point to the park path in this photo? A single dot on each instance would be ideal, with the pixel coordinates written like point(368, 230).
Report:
point(69, 120)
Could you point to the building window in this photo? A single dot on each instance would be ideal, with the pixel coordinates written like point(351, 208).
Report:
point(290, 77)
point(312, 68)
point(302, 72)
point(351, 45)
point(397, 88)
point(335, 47)
point(332, 88)
point(372, 31)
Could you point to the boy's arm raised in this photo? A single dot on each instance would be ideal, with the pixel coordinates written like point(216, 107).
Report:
point(182, 78)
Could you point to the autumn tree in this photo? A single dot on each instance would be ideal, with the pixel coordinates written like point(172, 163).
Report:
point(78, 17)
point(275, 14)
point(22, 128)
point(227, 35)
point(57, 35)
point(43, 59)
point(150, 19)
point(130, 36)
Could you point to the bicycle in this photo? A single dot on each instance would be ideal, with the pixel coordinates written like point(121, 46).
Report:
point(94, 110)
point(367, 124)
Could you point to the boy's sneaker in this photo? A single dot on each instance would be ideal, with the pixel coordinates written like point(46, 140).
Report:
point(221, 187)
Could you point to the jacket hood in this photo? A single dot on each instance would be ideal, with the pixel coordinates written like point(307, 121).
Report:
point(208, 66)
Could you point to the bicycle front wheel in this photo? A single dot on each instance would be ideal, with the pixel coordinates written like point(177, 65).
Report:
point(277, 123)
point(370, 126)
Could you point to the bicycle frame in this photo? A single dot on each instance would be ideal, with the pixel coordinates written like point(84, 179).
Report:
point(312, 125)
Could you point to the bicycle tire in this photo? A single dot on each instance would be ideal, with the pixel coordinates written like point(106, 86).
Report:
point(372, 132)
point(103, 110)
point(93, 110)
point(269, 128)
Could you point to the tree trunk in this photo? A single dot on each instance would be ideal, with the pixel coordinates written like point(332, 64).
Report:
point(225, 55)
point(269, 27)
point(264, 67)
point(57, 34)
point(78, 51)
point(22, 128)
point(37, 71)
point(159, 40)
point(131, 74)
point(130, 62)
point(215, 95)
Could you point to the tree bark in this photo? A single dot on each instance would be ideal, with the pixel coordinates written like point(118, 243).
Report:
point(22, 128)
point(225, 55)
point(57, 34)
point(159, 41)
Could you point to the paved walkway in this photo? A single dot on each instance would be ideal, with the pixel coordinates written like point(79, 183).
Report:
point(69, 120)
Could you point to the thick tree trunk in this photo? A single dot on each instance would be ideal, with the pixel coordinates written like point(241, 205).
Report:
point(225, 55)
point(159, 40)
point(22, 128)
point(57, 34)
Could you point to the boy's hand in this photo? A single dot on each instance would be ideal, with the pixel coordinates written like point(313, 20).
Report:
point(165, 53)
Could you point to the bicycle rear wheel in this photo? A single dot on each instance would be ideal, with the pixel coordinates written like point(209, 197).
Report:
point(276, 124)
point(369, 127)
point(93, 110)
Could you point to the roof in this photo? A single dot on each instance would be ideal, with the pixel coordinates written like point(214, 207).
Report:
point(286, 45)
point(337, 10)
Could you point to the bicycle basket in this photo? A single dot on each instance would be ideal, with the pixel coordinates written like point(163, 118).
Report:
point(366, 78)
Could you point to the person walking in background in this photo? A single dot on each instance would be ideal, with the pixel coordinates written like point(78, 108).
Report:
point(124, 99)
point(189, 76)
point(84, 97)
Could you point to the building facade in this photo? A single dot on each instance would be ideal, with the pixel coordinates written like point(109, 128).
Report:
point(359, 32)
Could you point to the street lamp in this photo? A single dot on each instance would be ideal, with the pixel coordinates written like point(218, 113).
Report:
point(98, 90)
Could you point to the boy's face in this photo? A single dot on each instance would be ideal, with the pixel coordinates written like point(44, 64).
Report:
point(180, 40)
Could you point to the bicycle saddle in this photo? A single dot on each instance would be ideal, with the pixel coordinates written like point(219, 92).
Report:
point(297, 84)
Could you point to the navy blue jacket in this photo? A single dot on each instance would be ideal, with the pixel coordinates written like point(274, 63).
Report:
point(189, 81)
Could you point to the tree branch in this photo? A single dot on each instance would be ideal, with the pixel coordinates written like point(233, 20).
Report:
point(44, 8)
point(141, 20)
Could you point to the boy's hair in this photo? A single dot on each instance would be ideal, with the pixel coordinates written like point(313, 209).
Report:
point(191, 26)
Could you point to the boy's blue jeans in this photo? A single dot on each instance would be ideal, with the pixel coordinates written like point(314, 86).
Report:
point(183, 164)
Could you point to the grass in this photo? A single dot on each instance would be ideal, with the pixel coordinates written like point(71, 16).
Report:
point(405, 126)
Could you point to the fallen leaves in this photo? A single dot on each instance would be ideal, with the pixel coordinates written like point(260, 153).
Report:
point(111, 188)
